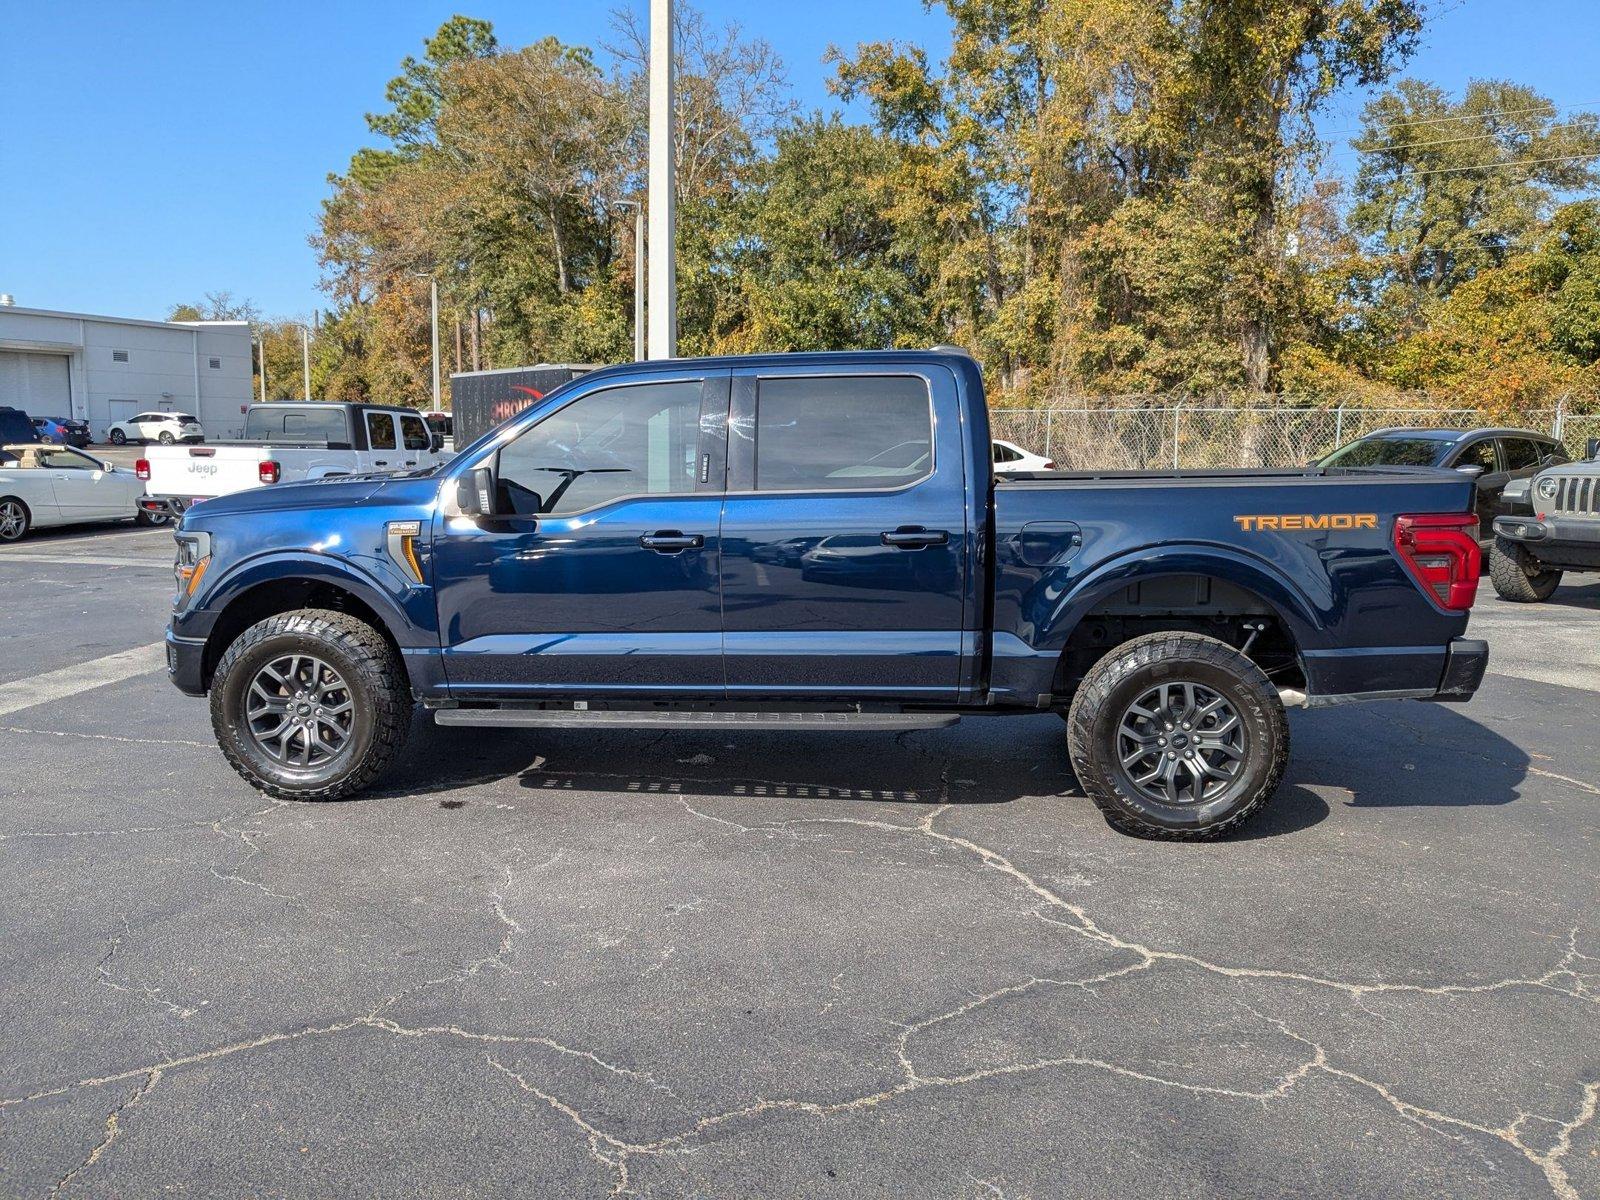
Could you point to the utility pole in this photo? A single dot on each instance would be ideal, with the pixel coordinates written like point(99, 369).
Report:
point(433, 290)
point(305, 362)
point(663, 274)
point(639, 354)
point(261, 343)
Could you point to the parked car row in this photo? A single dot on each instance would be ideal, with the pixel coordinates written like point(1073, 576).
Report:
point(42, 484)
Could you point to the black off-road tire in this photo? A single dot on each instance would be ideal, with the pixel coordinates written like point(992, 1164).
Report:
point(1518, 575)
point(1125, 674)
point(378, 687)
point(151, 520)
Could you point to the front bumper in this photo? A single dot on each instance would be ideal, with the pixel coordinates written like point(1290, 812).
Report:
point(1556, 541)
point(185, 664)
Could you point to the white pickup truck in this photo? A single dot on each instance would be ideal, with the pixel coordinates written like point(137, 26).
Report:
point(286, 441)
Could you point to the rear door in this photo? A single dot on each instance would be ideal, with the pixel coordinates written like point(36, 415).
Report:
point(844, 535)
point(383, 446)
point(1483, 452)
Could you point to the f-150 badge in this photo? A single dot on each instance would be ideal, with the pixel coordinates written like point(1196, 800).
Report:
point(1287, 521)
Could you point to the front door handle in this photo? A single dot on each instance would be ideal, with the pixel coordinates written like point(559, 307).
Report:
point(670, 541)
point(907, 538)
point(380, 462)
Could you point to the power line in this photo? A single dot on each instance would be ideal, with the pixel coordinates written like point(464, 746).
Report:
point(1477, 137)
point(1516, 162)
point(1504, 112)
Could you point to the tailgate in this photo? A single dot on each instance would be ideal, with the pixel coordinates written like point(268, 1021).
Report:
point(200, 472)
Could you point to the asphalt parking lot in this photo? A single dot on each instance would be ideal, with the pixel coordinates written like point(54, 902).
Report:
point(559, 964)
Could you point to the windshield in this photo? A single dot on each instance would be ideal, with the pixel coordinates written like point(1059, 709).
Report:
point(1390, 452)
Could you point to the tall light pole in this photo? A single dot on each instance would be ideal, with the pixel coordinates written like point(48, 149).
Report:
point(433, 290)
point(305, 358)
point(261, 343)
point(663, 171)
point(639, 354)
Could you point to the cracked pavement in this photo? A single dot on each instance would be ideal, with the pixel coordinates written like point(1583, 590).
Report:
point(785, 964)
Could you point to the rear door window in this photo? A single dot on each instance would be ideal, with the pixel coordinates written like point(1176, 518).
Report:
point(380, 431)
point(1522, 454)
point(839, 433)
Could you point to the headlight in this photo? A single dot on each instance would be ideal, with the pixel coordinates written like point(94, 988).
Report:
point(1547, 487)
point(193, 557)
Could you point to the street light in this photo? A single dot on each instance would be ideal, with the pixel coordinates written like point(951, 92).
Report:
point(639, 354)
point(433, 287)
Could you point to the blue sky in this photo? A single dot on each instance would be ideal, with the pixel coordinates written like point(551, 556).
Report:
point(152, 152)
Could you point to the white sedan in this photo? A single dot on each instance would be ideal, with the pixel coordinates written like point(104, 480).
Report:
point(163, 427)
point(1010, 458)
point(43, 485)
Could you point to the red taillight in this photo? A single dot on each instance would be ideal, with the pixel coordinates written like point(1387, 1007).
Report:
point(1441, 552)
point(269, 472)
point(142, 468)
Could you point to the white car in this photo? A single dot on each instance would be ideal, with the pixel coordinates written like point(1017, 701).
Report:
point(42, 484)
point(1010, 458)
point(163, 427)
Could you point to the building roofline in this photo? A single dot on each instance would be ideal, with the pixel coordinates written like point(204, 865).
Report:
point(80, 316)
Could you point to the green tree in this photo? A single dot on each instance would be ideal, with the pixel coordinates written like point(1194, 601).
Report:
point(1447, 188)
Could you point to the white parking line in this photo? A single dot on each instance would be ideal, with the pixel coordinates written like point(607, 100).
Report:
point(69, 681)
point(91, 560)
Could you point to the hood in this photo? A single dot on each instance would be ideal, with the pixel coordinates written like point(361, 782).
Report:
point(345, 491)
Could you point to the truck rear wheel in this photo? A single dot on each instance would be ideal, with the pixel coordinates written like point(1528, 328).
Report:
point(1518, 576)
point(310, 705)
point(1178, 736)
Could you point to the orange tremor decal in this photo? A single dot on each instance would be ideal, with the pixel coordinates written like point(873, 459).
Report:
point(1291, 521)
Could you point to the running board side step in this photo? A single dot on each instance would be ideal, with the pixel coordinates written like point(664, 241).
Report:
point(566, 718)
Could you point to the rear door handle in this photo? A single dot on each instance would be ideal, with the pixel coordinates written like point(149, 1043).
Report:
point(670, 541)
point(380, 462)
point(913, 539)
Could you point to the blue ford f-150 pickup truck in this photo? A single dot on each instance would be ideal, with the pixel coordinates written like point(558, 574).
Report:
point(818, 541)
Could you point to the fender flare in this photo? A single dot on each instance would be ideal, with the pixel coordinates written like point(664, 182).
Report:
point(1306, 620)
point(282, 566)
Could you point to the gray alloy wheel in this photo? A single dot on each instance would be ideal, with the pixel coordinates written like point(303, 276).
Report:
point(165, 438)
point(299, 712)
point(14, 519)
point(117, 438)
point(1181, 743)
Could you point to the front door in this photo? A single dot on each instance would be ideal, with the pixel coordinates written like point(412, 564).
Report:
point(845, 547)
point(82, 491)
point(602, 577)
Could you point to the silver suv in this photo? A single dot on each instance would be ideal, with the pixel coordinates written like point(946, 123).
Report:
point(1561, 531)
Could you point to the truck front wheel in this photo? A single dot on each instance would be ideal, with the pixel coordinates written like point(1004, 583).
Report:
point(310, 705)
point(1518, 576)
point(1178, 736)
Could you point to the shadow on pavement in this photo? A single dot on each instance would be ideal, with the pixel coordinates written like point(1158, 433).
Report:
point(1385, 755)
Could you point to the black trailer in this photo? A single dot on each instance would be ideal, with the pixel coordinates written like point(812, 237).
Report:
point(480, 400)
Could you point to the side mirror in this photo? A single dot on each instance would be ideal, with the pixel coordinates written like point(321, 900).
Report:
point(1471, 472)
point(475, 492)
point(436, 442)
point(1593, 450)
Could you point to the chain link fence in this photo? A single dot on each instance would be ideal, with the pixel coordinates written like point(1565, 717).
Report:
point(1128, 437)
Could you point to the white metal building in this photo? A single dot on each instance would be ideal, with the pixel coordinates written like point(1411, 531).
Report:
point(104, 369)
